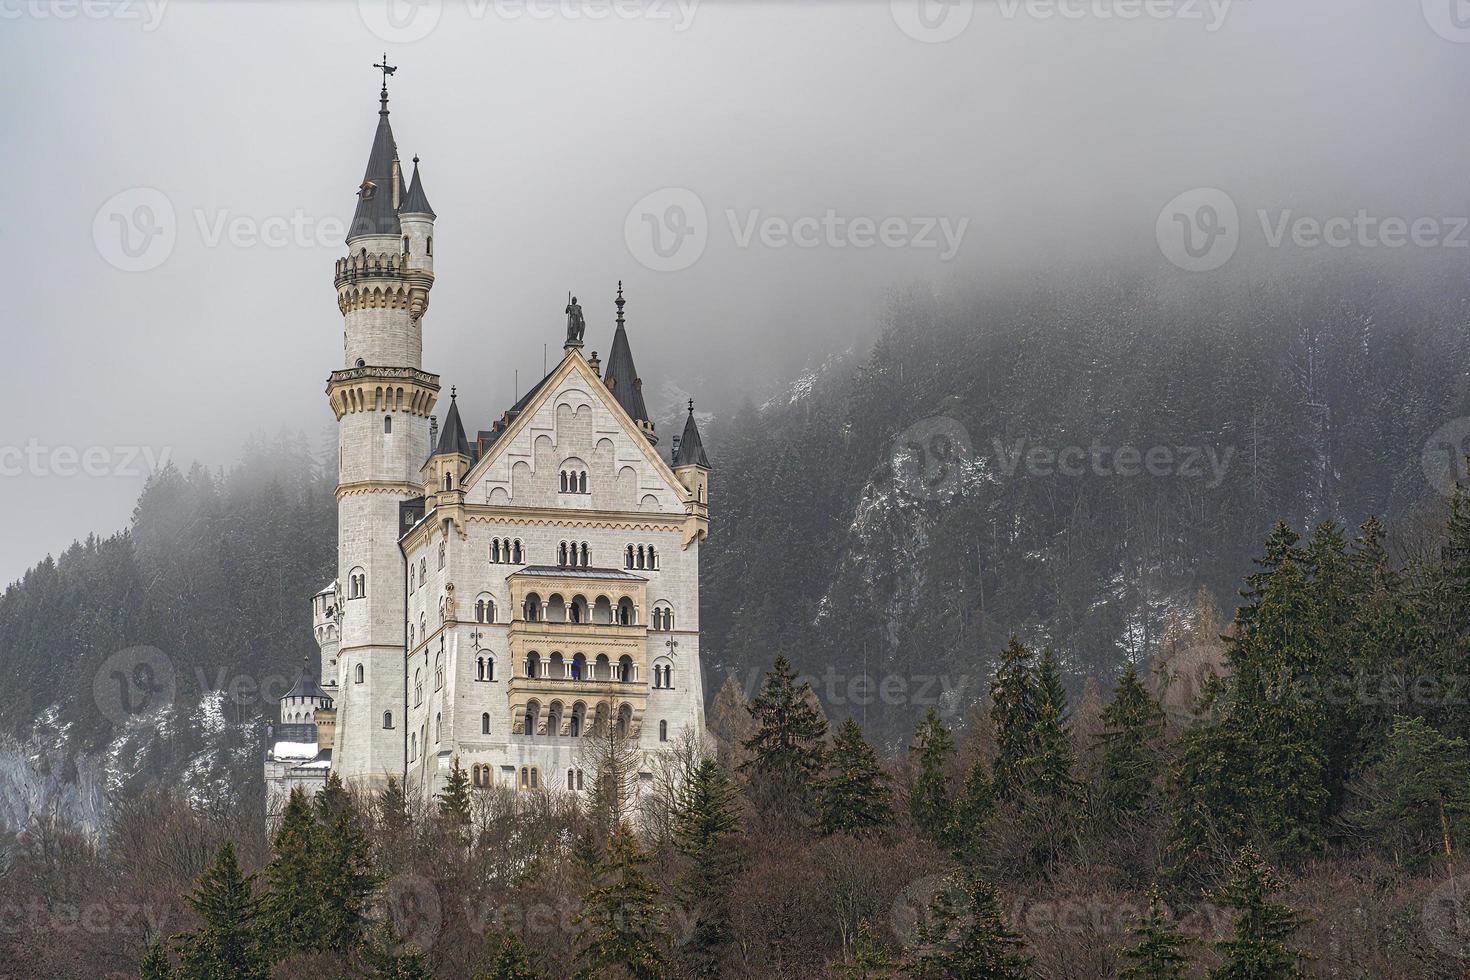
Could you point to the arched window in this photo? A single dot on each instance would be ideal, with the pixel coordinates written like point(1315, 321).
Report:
point(579, 711)
point(663, 731)
point(357, 673)
point(553, 719)
point(413, 745)
point(437, 730)
point(533, 608)
point(429, 245)
point(484, 609)
point(411, 570)
point(640, 556)
point(625, 611)
point(570, 781)
point(579, 667)
point(582, 482)
point(448, 485)
point(562, 555)
point(628, 557)
point(418, 687)
point(423, 570)
point(405, 244)
point(515, 552)
point(439, 670)
point(626, 672)
point(573, 476)
point(533, 664)
point(625, 721)
point(585, 554)
point(356, 584)
point(441, 543)
point(533, 717)
point(387, 719)
point(652, 558)
point(495, 550)
point(485, 723)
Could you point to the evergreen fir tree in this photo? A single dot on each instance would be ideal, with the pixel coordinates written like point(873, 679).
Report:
point(1209, 804)
point(344, 871)
point(1013, 714)
point(1131, 744)
point(1156, 953)
point(388, 959)
point(227, 945)
point(1049, 768)
point(1282, 546)
point(854, 793)
point(291, 910)
point(707, 834)
point(973, 809)
point(930, 801)
point(454, 800)
point(621, 920)
point(787, 744)
point(1417, 798)
point(867, 960)
point(965, 937)
point(155, 965)
point(506, 958)
point(1257, 950)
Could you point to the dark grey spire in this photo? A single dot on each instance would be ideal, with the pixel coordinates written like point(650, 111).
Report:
point(691, 448)
point(306, 685)
point(415, 202)
point(451, 437)
point(621, 377)
point(375, 213)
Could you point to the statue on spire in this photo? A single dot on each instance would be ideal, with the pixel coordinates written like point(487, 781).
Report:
point(576, 326)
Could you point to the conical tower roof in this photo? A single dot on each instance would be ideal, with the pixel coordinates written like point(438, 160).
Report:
point(415, 201)
point(451, 436)
point(691, 447)
point(621, 376)
point(375, 213)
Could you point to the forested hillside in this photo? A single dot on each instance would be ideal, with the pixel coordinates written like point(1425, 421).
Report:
point(857, 533)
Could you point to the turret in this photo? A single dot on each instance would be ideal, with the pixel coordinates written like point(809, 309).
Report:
point(326, 627)
point(691, 466)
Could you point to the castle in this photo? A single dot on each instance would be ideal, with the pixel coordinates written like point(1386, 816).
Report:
point(497, 599)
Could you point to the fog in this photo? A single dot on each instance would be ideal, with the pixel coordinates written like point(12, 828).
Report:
point(837, 151)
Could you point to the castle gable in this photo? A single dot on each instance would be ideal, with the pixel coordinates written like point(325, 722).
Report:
point(573, 446)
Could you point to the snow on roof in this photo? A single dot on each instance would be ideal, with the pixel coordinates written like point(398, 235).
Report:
point(294, 750)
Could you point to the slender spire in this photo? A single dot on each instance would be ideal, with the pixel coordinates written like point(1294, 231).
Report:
point(691, 448)
point(416, 202)
point(375, 214)
point(451, 435)
point(621, 376)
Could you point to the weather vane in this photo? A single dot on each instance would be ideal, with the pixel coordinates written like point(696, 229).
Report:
point(387, 69)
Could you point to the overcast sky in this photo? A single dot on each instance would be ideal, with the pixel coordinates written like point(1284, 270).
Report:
point(177, 176)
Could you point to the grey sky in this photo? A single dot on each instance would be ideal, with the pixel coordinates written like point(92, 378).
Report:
point(1058, 139)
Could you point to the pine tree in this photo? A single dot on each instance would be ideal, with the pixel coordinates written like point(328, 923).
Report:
point(344, 872)
point(1282, 546)
point(1210, 808)
point(1131, 744)
point(1013, 714)
point(965, 937)
point(1049, 768)
point(291, 912)
point(867, 960)
point(1257, 950)
point(621, 919)
point(930, 801)
point(506, 958)
point(454, 800)
point(1417, 798)
point(854, 793)
point(1156, 954)
point(227, 945)
point(155, 965)
point(787, 746)
point(707, 834)
point(388, 959)
point(972, 812)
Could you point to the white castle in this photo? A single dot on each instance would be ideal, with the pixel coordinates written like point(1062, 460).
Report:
point(496, 599)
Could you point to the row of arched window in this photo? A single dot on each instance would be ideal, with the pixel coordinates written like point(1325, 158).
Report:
point(663, 675)
point(506, 551)
point(572, 555)
point(482, 777)
point(640, 556)
point(356, 584)
point(556, 667)
point(663, 618)
point(484, 609)
point(576, 723)
point(556, 609)
point(573, 477)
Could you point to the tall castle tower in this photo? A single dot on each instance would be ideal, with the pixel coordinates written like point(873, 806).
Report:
point(382, 399)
